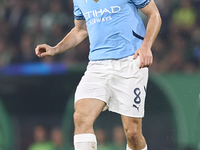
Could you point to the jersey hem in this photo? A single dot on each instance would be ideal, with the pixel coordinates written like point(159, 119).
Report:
point(111, 58)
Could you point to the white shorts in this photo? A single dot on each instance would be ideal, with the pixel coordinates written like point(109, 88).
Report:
point(119, 83)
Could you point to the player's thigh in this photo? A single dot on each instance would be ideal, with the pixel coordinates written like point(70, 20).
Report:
point(132, 125)
point(88, 109)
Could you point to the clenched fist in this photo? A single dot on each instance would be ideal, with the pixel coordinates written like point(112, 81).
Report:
point(44, 50)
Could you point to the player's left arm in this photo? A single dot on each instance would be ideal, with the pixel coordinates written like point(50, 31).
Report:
point(153, 27)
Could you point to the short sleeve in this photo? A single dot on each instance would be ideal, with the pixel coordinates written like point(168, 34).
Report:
point(140, 3)
point(78, 15)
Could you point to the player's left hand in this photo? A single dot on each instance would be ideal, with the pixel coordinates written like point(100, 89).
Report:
point(146, 57)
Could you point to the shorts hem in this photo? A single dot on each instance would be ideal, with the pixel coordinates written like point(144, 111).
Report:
point(77, 99)
point(128, 115)
point(111, 110)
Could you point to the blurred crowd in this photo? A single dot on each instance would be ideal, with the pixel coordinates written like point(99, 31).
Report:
point(42, 140)
point(177, 48)
point(24, 24)
point(107, 140)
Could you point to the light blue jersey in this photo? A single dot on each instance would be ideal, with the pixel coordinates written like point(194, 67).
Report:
point(114, 26)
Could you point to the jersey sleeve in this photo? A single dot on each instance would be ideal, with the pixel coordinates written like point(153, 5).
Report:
point(140, 3)
point(78, 15)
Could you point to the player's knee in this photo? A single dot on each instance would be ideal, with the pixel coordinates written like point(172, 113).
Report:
point(132, 134)
point(80, 119)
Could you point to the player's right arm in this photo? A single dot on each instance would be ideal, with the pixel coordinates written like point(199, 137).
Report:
point(73, 38)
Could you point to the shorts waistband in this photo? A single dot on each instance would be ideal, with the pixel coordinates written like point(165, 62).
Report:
point(128, 58)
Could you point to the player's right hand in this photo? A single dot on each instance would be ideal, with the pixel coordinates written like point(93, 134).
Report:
point(44, 50)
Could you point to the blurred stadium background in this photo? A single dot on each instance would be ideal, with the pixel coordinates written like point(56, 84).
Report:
point(36, 95)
